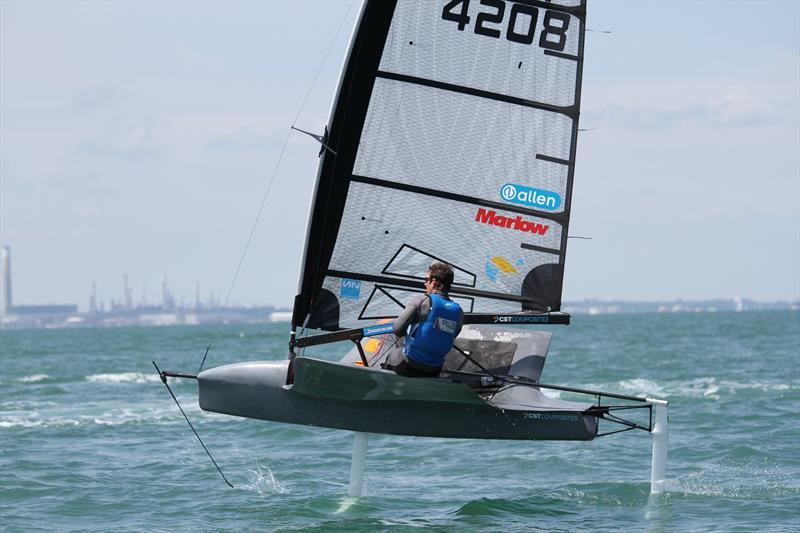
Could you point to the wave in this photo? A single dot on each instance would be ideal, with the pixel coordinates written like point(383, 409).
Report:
point(107, 419)
point(642, 385)
point(35, 378)
point(33, 421)
point(261, 479)
point(124, 377)
point(263, 482)
point(14, 405)
point(698, 388)
point(750, 479)
point(711, 388)
point(156, 414)
point(129, 416)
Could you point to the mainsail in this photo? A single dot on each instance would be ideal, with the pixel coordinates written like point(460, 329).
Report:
point(452, 137)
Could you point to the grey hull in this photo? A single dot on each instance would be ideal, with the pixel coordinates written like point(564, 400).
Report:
point(345, 396)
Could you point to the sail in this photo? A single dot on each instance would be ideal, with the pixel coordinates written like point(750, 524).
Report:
point(452, 136)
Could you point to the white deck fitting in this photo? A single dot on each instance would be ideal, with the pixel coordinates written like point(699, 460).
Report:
point(660, 440)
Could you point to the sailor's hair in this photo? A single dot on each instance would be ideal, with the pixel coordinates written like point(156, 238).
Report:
point(443, 273)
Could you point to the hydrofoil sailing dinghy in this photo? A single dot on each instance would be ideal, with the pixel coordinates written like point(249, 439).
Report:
point(452, 138)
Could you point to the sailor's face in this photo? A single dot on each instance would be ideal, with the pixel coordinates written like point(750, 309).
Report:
point(430, 283)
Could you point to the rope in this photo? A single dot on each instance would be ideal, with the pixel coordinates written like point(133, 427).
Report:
point(266, 194)
point(164, 380)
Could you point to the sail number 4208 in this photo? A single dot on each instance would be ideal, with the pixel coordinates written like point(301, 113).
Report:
point(521, 25)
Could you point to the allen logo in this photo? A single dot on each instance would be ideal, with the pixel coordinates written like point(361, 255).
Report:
point(528, 196)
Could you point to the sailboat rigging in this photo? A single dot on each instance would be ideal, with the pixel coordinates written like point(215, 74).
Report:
point(452, 138)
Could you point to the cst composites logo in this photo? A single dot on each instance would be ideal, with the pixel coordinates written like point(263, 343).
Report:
point(524, 319)
point(530, 197)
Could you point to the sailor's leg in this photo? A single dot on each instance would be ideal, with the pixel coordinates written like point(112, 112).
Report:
point(394, 357)
point(660, 439)
point(357, 465)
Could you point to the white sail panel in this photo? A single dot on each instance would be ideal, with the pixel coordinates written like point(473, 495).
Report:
point(423, 43)
point(408, 262)
point(368, 302)
point(454, 232)
point(493, 249)
point(464, 144)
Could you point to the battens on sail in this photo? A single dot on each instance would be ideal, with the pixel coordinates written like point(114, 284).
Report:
point(454, 131)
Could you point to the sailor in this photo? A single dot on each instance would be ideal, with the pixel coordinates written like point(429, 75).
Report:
point(430, 323)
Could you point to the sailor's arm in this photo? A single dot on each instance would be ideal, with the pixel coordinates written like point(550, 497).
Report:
point(414, 309)
point(460, 323)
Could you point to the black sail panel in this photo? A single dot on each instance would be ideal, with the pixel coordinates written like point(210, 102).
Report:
point(346, 122)
point(455, 130)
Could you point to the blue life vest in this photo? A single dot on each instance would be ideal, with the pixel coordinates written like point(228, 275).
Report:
point(429, 342)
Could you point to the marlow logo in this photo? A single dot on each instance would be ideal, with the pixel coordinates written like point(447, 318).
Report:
point(536, 198)
point(520, 224)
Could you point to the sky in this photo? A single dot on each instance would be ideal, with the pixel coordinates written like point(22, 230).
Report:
point(139, 138)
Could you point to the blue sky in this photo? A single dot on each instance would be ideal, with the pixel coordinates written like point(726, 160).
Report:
point(139, 138)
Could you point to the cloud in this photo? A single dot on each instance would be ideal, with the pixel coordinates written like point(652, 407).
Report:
point(126, 137)
point(100, 96)
point(243, 138)
point(739, 104)
point(671, 103)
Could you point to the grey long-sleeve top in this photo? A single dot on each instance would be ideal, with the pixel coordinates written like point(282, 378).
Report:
point(415, 312)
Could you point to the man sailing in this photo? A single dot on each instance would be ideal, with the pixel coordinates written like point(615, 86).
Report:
point(430, 323)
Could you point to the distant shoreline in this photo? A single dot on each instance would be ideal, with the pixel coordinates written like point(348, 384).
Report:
point(594, 307)
point(56, 317)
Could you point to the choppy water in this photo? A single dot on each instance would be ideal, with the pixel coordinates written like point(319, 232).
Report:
point(92, 441)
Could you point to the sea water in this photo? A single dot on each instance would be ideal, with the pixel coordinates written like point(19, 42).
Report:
point(91, 440)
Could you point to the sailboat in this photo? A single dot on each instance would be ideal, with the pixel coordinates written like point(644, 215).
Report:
point(452, 138)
